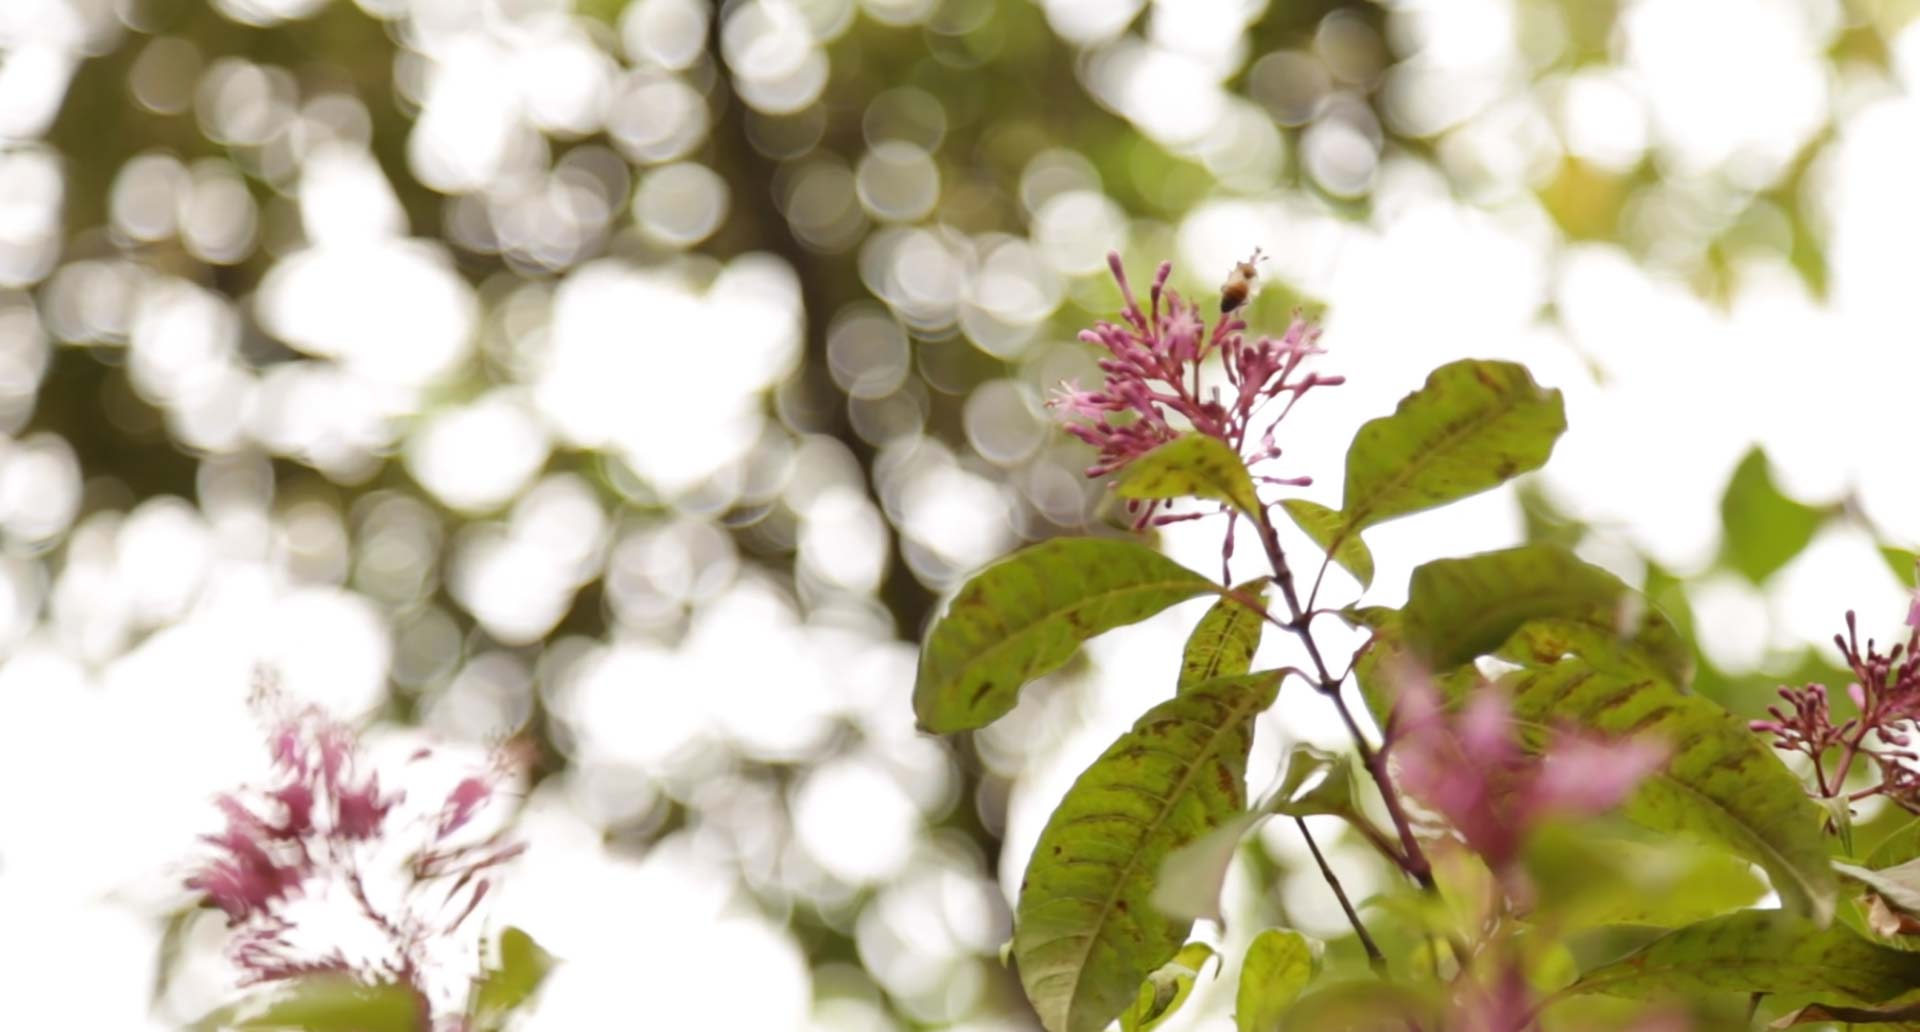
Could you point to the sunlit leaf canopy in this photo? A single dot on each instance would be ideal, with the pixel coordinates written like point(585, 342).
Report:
point(634, 378)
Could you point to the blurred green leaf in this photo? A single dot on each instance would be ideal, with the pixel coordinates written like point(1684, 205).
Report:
point(1316, 782)
point(322, 1003)
point(1278, 966)
point(1190, 466)
point(1458, 609)
point(1166, 990)
point(1587, 877)
point(1327, 529)
point(1762, 529)
point(1474, 425)
point(1657, 651)
point(1085, 931)
point(1721, 780)
point(1901, 561)
point(1026, 615)
point(1223, 643)
point(502, 990)
point(1899, 885)
point(1900, 846)
point(1760, 951)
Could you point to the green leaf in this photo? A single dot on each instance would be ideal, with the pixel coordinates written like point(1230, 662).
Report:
point(1458, 609)
point(1166, 990)
point(1300, 795)
point(1223, 643)
point(1901, 845)
point(501, 991)
point(1085, 930)
point(1898, 885)
point(1587, 877)
point(1191, 878)
point(321, 1003)
point(1759, 951)
point(1328, 529)
point(1721, 781)
point(1655, 652)
point(1762, 529)
point(1190, 466)
point(1902, 563)
point(1026, 614)
point(1474, 425)
point(1279, 965)
point(1901, 1015)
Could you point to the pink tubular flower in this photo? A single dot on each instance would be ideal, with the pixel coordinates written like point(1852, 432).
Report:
point(1471, 769)
point(322, 856)
point(1152, 392)
point(1886, 692)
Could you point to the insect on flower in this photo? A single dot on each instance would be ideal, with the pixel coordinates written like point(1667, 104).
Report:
point(1240, 283)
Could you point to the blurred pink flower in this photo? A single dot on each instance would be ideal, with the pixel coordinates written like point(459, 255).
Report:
point(1471, 769)
point(323, 849)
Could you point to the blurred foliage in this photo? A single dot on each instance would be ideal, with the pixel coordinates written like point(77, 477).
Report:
point(999, 98)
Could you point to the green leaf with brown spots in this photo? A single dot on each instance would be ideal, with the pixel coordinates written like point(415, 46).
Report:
point(1224, 641)
point(1085, 931)
point(1026, 614)
point(1474, 425)
point(1759, 951)
point(1720, 782)
point(1190, 466)
point(1458, 609)
point(1328, 529)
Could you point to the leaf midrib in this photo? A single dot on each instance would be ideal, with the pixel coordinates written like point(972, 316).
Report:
point(1358, 515)
point(1242, 709)
point(1201, 584)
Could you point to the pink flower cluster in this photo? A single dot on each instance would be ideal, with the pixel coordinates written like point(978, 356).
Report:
point(1886, 693)
point(1153, 392)
point(322, 855)
point(1470, 768)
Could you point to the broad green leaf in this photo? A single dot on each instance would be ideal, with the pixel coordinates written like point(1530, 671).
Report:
point(1223, 643)
point(322, 1003)
point(1026, 614)
point(1721, 781)
point(1762, 529)
point(1474, 425)
point(523, 966)
point(1369, 1005)
point(1899, 885)
point(1279, 965)
point(1901, 845)
point(1586, 876)
point(1191, 878)
point(1904, 564)
point(1656, 652)
point(1190, 466)
point(1085, 931)
point(1461, 608)
point(1760, 951)
point(1166, 990)
point(1301, 795)
point(1898, 1015)
point(1328, 529)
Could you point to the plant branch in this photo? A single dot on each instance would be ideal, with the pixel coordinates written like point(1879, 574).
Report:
point(1414, 860)
point(1375, 959)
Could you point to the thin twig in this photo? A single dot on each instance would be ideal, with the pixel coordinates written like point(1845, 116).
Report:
point(1415, 860)
point(1375, 959)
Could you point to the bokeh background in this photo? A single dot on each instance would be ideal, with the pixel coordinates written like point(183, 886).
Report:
point(627, 381)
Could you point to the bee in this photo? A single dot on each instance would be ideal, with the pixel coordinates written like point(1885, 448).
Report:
point(1240, 283)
